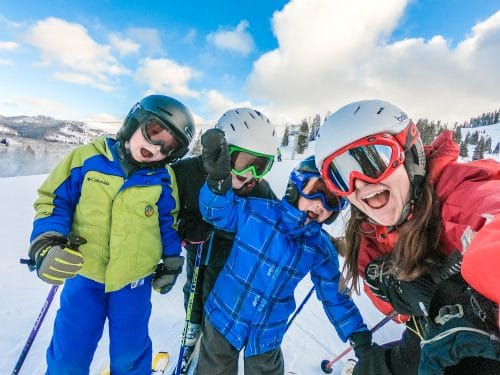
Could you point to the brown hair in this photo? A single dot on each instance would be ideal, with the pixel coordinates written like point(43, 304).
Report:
point(418, 240)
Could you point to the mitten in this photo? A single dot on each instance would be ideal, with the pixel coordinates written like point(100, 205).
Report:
point(216, 160)
point(53, 259)
point(371, 357)
point(166, 274)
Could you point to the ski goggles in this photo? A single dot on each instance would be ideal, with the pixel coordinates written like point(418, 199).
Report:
point(371, 159)
point(157, 133)
point(312, 186)
point(243, 161)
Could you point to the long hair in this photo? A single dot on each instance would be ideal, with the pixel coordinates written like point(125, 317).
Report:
point(416, 248)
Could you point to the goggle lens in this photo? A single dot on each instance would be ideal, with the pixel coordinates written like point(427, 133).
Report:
point(371, 162)
point(158, 134)
point(243, 161)
point(314, 188)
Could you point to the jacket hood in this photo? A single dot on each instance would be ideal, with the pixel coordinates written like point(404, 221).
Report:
point(440, 154)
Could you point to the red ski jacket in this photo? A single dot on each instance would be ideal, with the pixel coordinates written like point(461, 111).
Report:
point(469, 194)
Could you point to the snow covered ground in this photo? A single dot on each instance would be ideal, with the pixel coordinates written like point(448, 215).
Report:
point(310, 339)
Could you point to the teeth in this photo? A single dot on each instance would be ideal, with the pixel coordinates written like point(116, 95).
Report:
point(373, 194)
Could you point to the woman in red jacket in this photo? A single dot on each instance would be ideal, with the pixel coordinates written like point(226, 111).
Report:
point(416, 215)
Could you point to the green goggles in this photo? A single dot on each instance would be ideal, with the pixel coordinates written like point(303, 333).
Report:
point(244, 161)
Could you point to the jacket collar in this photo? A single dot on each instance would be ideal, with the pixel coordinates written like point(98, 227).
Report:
point(293, 221)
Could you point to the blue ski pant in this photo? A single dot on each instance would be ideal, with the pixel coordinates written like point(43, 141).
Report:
point(79, 325)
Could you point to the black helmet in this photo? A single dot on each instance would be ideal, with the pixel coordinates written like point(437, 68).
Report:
point(172, 113)
point(298, 179)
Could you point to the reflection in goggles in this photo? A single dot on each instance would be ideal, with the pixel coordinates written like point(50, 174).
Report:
point(243, 161)
point(314, 188)
point(157, 133)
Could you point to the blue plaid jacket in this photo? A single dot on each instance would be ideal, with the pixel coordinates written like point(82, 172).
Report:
point(273, 250)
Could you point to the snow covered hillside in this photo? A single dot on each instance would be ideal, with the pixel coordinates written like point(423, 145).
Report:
point(310, 339)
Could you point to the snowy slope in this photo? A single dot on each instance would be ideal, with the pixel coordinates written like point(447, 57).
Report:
point(310, 339)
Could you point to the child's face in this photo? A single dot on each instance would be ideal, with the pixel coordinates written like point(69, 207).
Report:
point(239, 181)
point(314, 208)
point(142, 151)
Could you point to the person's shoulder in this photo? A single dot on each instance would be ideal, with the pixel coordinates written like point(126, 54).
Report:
point(263, 190)
point(188, 165)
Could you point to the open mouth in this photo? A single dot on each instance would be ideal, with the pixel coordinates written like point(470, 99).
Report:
point(146, 153)
point(312, 215)
point(377, 199)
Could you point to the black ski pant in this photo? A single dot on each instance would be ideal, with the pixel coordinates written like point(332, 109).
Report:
point(197, 307)
point(219, 357)
point(207, 276)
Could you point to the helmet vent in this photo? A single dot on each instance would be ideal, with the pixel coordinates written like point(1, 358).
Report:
point(380, 110)
point(357, 109)
point(232, 127)
point(235, 111)
point(246, 124)
point(251, 115)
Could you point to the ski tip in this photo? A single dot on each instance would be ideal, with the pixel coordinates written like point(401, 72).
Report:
point(160, 362)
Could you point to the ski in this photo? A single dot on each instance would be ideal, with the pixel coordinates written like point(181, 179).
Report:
point(159, 364)
point(189, 359)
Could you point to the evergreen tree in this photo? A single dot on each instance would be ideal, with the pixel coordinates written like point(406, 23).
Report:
point(196, 149)
point(464, 152)
point(286, 137)
point(316, 122)
point(487, 145)
point(478, 150)
point(303, 137)
point(497, 148)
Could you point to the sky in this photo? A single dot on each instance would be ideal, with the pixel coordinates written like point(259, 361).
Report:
point(310, 339)
point(92, 60)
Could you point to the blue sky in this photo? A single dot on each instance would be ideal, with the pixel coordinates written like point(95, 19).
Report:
point(92, 60)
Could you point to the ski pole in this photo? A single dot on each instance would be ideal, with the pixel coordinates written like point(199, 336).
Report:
point(73, 243)
point(192, 291)
point(326, 365)
point(306, 298)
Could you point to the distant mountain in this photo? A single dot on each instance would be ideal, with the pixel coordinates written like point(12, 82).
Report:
point(46, 128)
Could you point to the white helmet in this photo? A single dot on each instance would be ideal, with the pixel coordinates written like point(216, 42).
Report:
point(355, 121)
point(249, 129)
point(366, 117)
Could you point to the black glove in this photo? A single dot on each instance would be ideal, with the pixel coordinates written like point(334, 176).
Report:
point(216, 160)
point(50, 254)
point(166, 274)
point(194, 230)
point(407, 297)
point(371, 357)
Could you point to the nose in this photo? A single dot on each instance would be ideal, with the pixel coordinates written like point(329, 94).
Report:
point(359, 183)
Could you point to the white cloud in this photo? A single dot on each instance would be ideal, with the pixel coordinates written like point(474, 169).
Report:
point(82, 79)
point(332, 52)
point(8, 46)
point(166, 76)
point(237, 40)
point(124, 46)
point(34, 106)
point(148, 37)
point(6, 62)
point(69, 45)
point(218, 104)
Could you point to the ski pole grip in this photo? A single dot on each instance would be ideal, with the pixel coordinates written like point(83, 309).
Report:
point(74, 241)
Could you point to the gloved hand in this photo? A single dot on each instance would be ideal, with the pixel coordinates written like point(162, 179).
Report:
point(194, 229)
point(166, 274)
point(407, 297)
point(53, 260)
point(371, 357)
point(216, 160)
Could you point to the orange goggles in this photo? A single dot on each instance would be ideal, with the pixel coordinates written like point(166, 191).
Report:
point(371, 159)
